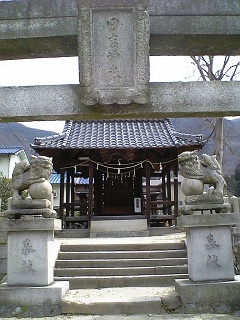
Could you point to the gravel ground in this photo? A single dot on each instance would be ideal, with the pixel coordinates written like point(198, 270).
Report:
point(142, 317)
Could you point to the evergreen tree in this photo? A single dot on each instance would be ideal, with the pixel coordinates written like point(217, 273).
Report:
point(236, 182)
point(5, 191)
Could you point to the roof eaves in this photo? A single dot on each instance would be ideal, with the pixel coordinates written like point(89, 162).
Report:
point(10, 149)
point(72, 135)
point(49, 139)
point(66, 131)
point(190, 138)
point(171, 132)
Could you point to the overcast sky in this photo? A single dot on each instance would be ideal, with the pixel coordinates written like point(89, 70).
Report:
point(65, 71)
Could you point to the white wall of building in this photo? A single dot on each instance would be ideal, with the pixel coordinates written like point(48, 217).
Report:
point(14, 158)
point(4, 164)
point(7, 163)
point(56, 194)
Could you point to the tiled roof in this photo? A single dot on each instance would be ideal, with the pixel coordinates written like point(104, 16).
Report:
point(106, 134)
point(55, 178)
point(10, 150)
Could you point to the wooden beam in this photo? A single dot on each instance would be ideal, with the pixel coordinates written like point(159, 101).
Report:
point(62, 183)
point(148, 195)
point(175, 186)
point(90, 194)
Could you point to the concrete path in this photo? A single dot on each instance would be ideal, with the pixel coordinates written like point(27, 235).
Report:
point(119, 301)
point(153, 239)
point(143, 317)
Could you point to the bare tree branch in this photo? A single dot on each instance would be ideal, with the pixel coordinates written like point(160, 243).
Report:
point(200, 68)
point(206, 66)
point(231, 149)
point(225, 62)
point(235, 71)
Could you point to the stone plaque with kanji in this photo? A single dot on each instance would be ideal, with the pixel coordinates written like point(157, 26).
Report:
point(113, 41)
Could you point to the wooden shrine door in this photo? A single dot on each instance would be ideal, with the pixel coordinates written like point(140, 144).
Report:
point(117, 195)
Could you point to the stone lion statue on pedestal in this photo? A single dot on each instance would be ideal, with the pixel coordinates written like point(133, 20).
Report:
point(34, 177)
point(197, 173)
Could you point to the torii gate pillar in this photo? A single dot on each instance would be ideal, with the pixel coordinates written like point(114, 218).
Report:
point(113, 41)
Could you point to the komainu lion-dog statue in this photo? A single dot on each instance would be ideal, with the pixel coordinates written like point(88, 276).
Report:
point(207, 170)
point(203, 183)
point(31, 189)
point(32, 176)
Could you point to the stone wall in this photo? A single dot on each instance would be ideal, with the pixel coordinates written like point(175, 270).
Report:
point(235, 207)
point(3, 246)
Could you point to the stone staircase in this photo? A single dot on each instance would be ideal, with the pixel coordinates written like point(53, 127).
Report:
point(119, 276)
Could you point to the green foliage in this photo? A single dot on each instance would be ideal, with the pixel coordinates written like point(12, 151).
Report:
point(230, 184)
point(5, 191)
point(237, 181)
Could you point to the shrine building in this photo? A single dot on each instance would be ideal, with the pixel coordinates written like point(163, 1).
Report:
point(118, 157)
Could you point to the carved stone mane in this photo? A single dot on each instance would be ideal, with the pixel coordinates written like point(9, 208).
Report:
point(36, 173)
point(34, 177)
point(197, 173)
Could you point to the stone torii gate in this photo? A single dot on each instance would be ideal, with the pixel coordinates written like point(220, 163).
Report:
point(113, 39)
point(43, 28)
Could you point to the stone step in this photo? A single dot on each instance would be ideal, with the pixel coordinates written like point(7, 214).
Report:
point(119, 301)
point(85, 233)
point(120, 271)
point(117, 218)
point(87, 282)
point(103, 263)
point(156, 254)
point(119, 234)
point(116, 225)
point(117, 246)
point(133, 262)
point(73, 233)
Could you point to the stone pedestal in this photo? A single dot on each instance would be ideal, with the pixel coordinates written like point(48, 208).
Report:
point(19, 207)
point(215, 296)
point(32, 253)
point(209, 246)
point(113, 42)
point(3, 246)
point(210, 260)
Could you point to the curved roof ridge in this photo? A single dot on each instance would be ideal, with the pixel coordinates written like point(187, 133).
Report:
point(118, 133)
point(171, 131)
point(182, 135)
point(52, 138)
point(66, 131)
